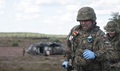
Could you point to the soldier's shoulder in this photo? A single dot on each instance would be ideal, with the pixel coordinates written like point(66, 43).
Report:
point(99, 32)
point(72, 30)
point(75, 27)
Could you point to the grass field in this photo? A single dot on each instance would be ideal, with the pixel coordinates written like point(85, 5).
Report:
point(11, 58)
point(28, 34)
point(14, 61)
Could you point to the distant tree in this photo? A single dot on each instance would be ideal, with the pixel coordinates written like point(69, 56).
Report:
point(116, 17)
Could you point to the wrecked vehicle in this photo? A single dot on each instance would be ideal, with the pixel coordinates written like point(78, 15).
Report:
point(46, 48)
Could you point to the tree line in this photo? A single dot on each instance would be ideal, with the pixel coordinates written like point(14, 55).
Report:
point(116, 17)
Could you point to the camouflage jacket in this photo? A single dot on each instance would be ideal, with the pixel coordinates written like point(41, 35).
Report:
point(112, 47)
point(80, 43)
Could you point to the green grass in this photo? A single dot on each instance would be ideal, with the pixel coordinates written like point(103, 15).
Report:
point(27, 34)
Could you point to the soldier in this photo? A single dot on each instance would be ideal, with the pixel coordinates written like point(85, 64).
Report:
point(23, 51)
point(83, 47)
point(112, 44)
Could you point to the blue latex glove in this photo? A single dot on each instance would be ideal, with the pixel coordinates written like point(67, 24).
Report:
point(88, 54)
point(65, 64)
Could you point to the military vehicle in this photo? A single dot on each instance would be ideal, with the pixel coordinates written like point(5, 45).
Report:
point(46, 48)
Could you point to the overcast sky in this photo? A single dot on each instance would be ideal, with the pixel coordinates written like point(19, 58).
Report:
point(50, 16)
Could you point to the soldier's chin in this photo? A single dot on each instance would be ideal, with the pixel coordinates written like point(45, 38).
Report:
point(85, 28)
point(111, 35)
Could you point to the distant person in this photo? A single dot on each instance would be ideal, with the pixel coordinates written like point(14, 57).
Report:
point(23, 51)
point(83, 47)
point(112, 44)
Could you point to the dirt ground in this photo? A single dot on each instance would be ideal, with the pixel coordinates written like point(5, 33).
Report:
point(10, 51)
point(12, 59)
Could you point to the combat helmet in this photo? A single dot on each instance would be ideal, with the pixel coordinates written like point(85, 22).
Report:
point(111, 26)
point(86, 13)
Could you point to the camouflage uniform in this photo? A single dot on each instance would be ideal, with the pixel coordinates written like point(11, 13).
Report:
point(78, 41)
point(112, 45)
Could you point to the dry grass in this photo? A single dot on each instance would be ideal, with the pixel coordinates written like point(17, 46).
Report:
point(11, 58)
point(14, 61)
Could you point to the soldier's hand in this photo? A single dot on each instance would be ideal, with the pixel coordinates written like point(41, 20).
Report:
point(88, 54)
point(65, 64)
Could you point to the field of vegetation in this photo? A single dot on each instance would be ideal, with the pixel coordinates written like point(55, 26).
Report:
point(25, 39)
point(11, 58)
point(27, 34)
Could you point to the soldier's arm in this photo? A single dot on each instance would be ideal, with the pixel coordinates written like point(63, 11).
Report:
point(100, 52)
point(69, 44)
point(115, 52)
point(68, 48)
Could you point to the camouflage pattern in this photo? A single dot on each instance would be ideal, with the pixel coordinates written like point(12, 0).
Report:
point(111, 26)
point(86, 13)
point(112, 46)
point(80, 44)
